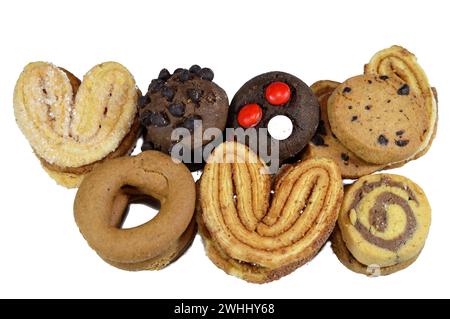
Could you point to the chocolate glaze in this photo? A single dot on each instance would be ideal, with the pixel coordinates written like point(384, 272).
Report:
point(378, 213)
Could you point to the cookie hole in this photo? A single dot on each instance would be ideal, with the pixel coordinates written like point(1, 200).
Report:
point(140, 210)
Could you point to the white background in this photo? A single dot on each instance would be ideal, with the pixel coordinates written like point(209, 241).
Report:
point(42, 254)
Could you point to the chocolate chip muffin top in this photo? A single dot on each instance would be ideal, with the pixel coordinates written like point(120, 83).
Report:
point(187, 98)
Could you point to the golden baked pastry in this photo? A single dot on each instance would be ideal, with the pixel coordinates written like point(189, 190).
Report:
point(72, 125)
point(258, 230)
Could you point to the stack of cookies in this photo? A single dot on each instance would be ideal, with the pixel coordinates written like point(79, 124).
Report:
point(379, 120)
point(258, 222)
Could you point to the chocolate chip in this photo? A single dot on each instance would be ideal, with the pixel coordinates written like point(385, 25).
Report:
point(143, 101)
point(206, 74)
point(145, 118)
point(318, 140)
point(184, 76)
point(194, 95)
point(164, 75)
point(401, 143)
point(321, 128)
point(347, 90)
point(368, 107)
point(403, 90)
point(155, 85)
point(382, 140)
point(146, 146)
point(195, 68)
point(158, 119)
point(350, 107)
point(354, 118)
point(177, 109)
point(345, 157)
point(191, 122)
point(401, 132)
point(384, 77)
point(168, 93)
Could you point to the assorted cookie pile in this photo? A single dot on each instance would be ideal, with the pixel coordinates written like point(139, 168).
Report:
point(256, 224)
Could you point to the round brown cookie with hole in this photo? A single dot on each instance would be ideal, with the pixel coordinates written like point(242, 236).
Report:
point(379, 118)
point(281, 103)
point(187, 100)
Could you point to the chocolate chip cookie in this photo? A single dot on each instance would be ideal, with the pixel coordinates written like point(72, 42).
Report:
point(187, 99)
point(378, 118)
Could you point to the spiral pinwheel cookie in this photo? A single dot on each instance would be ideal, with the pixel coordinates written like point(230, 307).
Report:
point(280, 103)
point(187, 100)
point(388, 115)
point(383, 224)
point(73, 126)
point(260, 229)
point(101, 205)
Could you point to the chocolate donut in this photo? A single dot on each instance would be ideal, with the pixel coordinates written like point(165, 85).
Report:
point(272, 94)
point(185, 99)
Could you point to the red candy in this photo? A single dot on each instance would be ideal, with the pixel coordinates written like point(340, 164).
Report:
point(249, 115)
point(278, 93)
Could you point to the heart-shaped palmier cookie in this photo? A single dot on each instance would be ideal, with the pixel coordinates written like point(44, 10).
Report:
point(71, 125)
point(261, 229)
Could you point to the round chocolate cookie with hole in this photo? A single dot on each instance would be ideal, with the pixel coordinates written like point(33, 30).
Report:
point(177, 110)
point(281, 109)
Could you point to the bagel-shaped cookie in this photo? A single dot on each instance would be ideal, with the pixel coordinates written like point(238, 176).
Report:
point(105, 193)
point(254, 237)
point(383, 224)
point(73, 125)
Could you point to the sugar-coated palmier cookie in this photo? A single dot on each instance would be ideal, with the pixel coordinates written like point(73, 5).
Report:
point(105, 194)
point(187, 99)
point(389, 114)
point(260, 229)
point(73, 125)
point(275, 99)
point(383, 224)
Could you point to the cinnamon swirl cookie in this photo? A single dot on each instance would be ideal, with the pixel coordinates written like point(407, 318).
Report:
point(383, 224)
point(258, 228)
